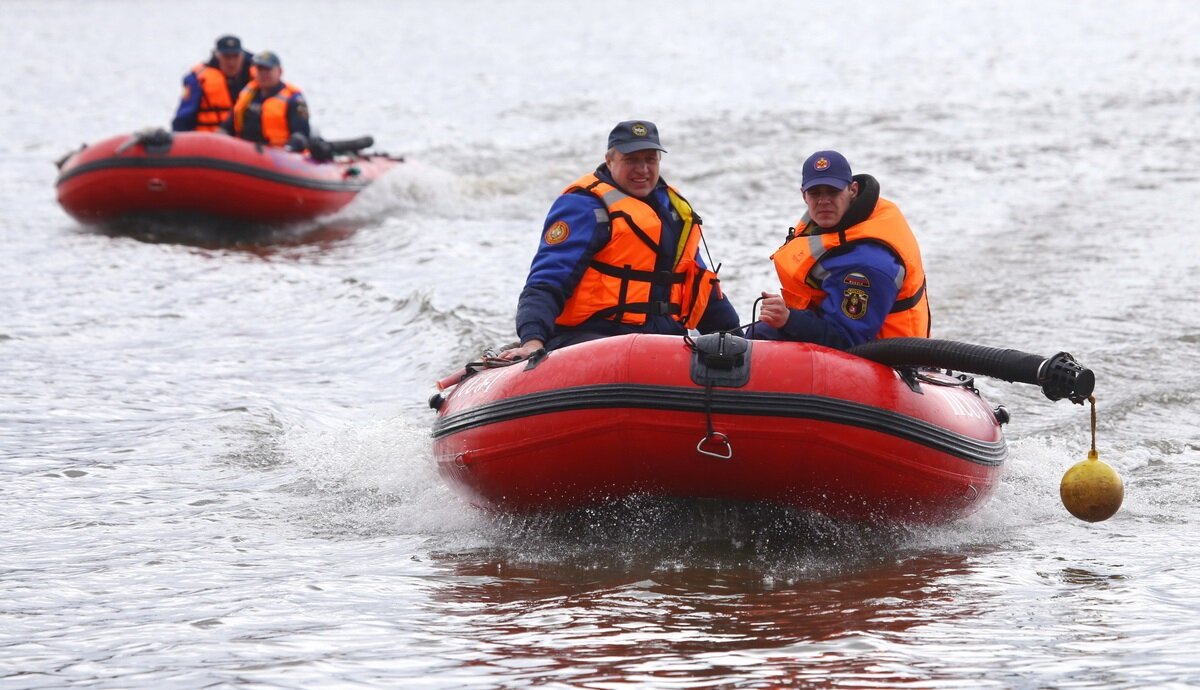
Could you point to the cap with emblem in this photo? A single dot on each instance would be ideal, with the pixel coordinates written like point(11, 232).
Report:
point(826, 168)
point(266, 59)
point(634, 135)
point(229, 45)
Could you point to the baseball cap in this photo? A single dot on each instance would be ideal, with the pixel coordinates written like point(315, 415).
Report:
point(826, 168)
point(634, 135)
point(266, 58)
point(229, 45)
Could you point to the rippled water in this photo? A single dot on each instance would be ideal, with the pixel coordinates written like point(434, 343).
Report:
point(216, 453)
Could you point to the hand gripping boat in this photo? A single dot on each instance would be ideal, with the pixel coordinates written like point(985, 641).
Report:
point(822, 430)
point(155, 172)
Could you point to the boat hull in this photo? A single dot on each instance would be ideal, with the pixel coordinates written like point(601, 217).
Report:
point(810, 427)
point(211, 175)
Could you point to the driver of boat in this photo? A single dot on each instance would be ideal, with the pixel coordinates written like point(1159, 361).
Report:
point(211, 87)
point(269, 110)
point(850, 270)
point(619, 253)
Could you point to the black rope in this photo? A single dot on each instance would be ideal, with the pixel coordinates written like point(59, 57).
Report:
point(753, 313)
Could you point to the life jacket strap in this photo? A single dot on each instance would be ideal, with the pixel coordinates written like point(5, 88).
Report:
point(626, 273)
point(906, 304)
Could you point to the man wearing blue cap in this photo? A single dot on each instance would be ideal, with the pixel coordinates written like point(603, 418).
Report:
point(210, 89)
point(269, 110)
point(619, 253)
point(850, 270)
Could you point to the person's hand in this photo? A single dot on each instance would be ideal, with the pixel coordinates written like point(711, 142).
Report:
point(524, 351)
point(774, 311)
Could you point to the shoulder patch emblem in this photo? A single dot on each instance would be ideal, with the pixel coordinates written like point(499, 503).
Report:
point(854, 303)
point(302, 110)
point(187, 91)
point(857, 280)
point(557, 233)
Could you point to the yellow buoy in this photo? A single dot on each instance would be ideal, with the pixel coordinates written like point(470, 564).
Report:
point(1092, 490)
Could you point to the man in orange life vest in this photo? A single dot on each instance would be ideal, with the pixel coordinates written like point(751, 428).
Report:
point(620, 253)
point(268, 110)
point(850, 270)
point(210, 89)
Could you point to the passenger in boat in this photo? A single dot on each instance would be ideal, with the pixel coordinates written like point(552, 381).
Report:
point(269, 110)
point(619, 253)
point(211, 88)
point(850, 270)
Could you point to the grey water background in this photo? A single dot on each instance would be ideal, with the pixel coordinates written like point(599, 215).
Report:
point(215, 455)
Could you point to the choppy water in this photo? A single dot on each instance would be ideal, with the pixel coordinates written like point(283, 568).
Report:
point(216, 456)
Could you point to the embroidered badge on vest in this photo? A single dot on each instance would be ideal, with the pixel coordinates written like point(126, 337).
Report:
point(854, 303)
point(557, 233)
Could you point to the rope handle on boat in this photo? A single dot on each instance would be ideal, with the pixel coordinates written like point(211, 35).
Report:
point(489, 360)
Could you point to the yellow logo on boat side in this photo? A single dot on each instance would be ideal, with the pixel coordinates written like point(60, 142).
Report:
point(557, 233)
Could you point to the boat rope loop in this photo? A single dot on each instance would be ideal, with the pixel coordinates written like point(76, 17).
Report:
point(714, 443)
point(718, 359)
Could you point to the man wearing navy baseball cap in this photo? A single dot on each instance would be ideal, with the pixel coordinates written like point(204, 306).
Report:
point(620, 253)
point(850, 270)
point(634, 135)
point(211, 88)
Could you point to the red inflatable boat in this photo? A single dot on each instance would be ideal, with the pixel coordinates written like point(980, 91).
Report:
point(721, 417)
point(155, 172)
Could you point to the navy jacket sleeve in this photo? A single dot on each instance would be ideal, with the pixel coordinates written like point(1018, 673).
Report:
point(860, 291)
point(557, 266)
point(189, 105)
point(297, 115)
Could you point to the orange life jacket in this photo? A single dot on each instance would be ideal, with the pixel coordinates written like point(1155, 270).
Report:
point(274, 124)
point(215, 102)
point(796, 262)
point(616, 284)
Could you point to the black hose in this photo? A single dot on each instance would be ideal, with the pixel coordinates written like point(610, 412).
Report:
point(351, 145)
point(1059, 376)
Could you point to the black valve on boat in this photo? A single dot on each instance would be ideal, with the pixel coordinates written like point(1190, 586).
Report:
point(720, 359)
point(1061, 377)
point(152, 139)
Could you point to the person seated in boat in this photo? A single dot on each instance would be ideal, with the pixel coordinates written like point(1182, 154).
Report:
point(211, 88)
point(619, 253)
point(850, 270)
point(269, 110)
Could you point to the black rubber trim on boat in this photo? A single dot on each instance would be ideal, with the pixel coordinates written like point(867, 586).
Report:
point(784, 405)
point(213, 164)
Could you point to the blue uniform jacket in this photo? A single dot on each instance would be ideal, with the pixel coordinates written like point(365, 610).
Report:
point(557, 268)
point(831, 325)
